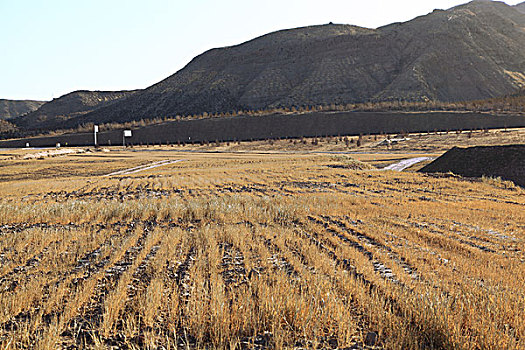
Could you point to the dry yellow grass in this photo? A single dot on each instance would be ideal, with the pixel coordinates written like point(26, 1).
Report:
point(256, 251)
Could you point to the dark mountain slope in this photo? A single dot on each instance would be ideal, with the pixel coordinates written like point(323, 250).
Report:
point(14, 108)
point(470, 52)
point(55, 113)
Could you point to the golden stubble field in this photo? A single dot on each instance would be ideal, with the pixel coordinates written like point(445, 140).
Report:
point(255, 251)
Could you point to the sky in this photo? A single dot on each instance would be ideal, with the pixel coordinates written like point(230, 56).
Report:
point(53, 47)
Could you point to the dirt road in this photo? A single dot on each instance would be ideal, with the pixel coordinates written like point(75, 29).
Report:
point(145, 167)
point(402, 165)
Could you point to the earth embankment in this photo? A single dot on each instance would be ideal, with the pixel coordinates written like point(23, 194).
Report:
point(507, 162)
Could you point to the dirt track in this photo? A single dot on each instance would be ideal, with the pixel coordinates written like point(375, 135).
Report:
point(145, 167)
point(406, 163)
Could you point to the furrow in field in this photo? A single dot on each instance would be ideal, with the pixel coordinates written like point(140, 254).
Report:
point(374, 291)
point(82, 327)
point(278, 261)
point(28, 240)
point(54, 296)
point(379, 266)
point(370, 241)
point(10, 280)
point(492, 239)
point(471, 241)
point(329, 248)
point(125, 300)
point(233, 270)
point(34, 265)
point(47, 275)
point(174, 250)
point(304, 278)
point(182, 276)
point(349, 264)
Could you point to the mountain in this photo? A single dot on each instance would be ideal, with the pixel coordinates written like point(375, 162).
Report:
point(469, 52)
point(14, 108)
point(53, 114)
point(521, 7)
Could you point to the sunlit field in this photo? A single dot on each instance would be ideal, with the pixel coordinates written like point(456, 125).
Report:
point(255, 251)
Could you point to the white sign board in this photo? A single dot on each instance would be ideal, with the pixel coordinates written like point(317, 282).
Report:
point(96, 128)
point(127, 133)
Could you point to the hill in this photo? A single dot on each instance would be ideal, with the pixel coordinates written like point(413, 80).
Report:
point(14, 108)
point(473, 51)
point(470, 52)
point(54, 114)
point(507, 162)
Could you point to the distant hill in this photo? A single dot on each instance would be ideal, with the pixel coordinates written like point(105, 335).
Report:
point(14, 108)
point(507, 162)
point(521, 7)
point(470, 52)
point(56, 113)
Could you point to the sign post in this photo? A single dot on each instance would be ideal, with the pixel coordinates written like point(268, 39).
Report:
point(95, 134)
point(127, 133)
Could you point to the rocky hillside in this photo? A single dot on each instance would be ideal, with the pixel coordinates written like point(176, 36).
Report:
point(6, 127)
point(14, 108)
point(521, 7)
point(56, 113)
point(470, 52)
point(507, 162)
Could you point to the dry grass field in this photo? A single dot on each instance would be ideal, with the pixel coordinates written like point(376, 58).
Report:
point(255, 251)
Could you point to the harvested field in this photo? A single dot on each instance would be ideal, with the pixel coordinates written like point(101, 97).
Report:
point(255, 251)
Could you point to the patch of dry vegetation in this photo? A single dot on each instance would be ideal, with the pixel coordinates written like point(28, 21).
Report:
point(257, 251)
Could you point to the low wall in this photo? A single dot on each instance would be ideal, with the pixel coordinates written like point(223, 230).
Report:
point(244, 128)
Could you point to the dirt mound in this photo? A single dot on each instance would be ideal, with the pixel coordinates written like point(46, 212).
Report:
point(507, 162)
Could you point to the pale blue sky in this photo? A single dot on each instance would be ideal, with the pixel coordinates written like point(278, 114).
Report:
point(52, 47)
